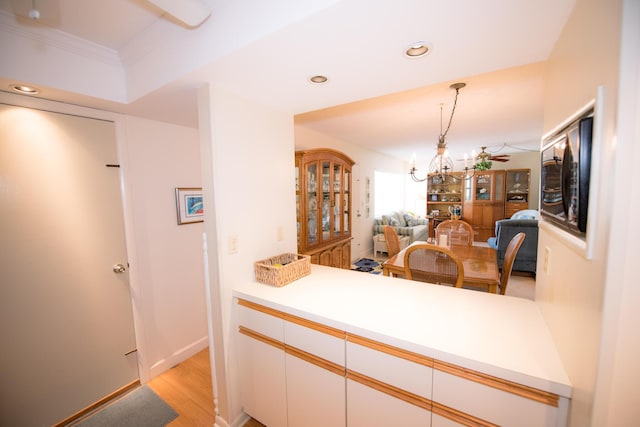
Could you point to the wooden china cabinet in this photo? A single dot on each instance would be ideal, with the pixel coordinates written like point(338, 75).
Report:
point(484, 198)
point(323, 206)
point(517, 191)
point(443, 192)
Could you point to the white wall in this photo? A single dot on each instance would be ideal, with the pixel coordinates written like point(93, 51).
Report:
point(248, 178)
point(170, 299)
point(616, 399)
point(571, 293)
point(367, 161)
point(43, 57)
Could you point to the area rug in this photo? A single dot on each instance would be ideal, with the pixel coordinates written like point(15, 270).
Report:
point(367, 265)
point(140, 408)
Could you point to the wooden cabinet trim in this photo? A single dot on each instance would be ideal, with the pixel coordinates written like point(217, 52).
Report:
point(315, 360)
point(260, 308)
point(537, 395)
point(460, 417)
point(393, 391)
point(389, 349)
point(294, 351)
point(260, 337)
point(315, 326)
point(547, 398)
point(294, 319)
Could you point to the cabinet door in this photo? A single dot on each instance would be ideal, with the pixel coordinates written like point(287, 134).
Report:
point(313, 204)
point(316, 396)
point(262, 367)
point(346, 255)
point(327, 201)
point(336, 257)
point(386, 389)
point(325, 258)
point(315, 376)
point(337, 200)
point(346, 202)
point(490, 404)
point(440, 421)
point(372, 408)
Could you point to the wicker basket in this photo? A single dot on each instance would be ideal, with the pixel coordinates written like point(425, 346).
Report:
point(282, 269)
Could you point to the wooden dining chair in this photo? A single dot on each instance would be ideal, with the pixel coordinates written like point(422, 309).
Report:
point(392, 239)
point(509, 258)
point(433, 264)
point(460, 232)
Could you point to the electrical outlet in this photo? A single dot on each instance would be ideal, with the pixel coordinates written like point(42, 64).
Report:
point(280, 234)
point(233, 244)
point(547, 255)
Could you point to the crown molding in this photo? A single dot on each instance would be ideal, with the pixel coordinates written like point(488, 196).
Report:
point(59, 40)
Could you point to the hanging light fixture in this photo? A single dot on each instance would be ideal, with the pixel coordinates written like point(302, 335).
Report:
point(441, 162)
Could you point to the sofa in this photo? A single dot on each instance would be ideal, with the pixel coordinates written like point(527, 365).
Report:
point(527, 256)
point(405, 223)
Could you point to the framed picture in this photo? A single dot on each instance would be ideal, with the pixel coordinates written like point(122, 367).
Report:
point(189, 205)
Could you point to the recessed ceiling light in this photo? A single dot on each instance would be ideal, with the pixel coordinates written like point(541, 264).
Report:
point(416, 50)
point(318, 79)
point(24, 89)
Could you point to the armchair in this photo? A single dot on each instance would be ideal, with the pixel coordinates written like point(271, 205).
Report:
point(506, 229)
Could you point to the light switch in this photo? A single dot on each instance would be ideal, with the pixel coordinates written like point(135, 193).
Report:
point(233, 244)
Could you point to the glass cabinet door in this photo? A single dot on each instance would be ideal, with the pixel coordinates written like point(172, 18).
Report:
point(337, 200)
point(326, 200)
point(312, 194)
point(297, 178)
point(483, 187)
point(499, 189)
point(323, 205)
point(346, 200)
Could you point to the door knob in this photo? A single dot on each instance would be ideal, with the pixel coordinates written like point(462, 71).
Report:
point(118, 268)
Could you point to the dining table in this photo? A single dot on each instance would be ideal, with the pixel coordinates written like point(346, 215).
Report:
point(480, 265)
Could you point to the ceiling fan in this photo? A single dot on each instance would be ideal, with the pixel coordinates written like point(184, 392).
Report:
point(483, 156)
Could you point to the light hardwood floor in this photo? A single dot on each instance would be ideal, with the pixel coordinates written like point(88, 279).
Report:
point(188, 390)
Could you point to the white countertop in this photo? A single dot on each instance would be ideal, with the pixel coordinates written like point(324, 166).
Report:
point(499, 335)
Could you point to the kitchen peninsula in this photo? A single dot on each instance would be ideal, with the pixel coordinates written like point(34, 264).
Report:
point(409, 354)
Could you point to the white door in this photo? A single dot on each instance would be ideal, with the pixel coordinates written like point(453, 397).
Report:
point(66, 326)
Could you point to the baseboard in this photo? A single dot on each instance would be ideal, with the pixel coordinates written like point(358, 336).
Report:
point(221, 422)
point(98, 405)
point(239, 421)
point(179, 356)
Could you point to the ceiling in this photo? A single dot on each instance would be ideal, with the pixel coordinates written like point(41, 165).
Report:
point(375, 97)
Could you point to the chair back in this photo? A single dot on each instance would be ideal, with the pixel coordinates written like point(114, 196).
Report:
point(392, 239)
point(509, 258)
point(459, 232)
point(433, 264)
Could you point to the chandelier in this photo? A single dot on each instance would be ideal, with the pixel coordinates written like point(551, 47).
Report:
point(441, 162)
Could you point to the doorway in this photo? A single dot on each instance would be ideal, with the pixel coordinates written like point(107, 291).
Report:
point(66, 323)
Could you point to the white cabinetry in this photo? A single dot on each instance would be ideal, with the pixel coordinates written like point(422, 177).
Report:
point(385, 386)
point(492, 400)
point(297, 372)
point(292, 371)
point(315, 376)
point(262, 358)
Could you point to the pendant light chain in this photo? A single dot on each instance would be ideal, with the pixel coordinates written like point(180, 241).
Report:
point(453, 110)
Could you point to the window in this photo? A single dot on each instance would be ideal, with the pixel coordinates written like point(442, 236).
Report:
point(393, 191)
